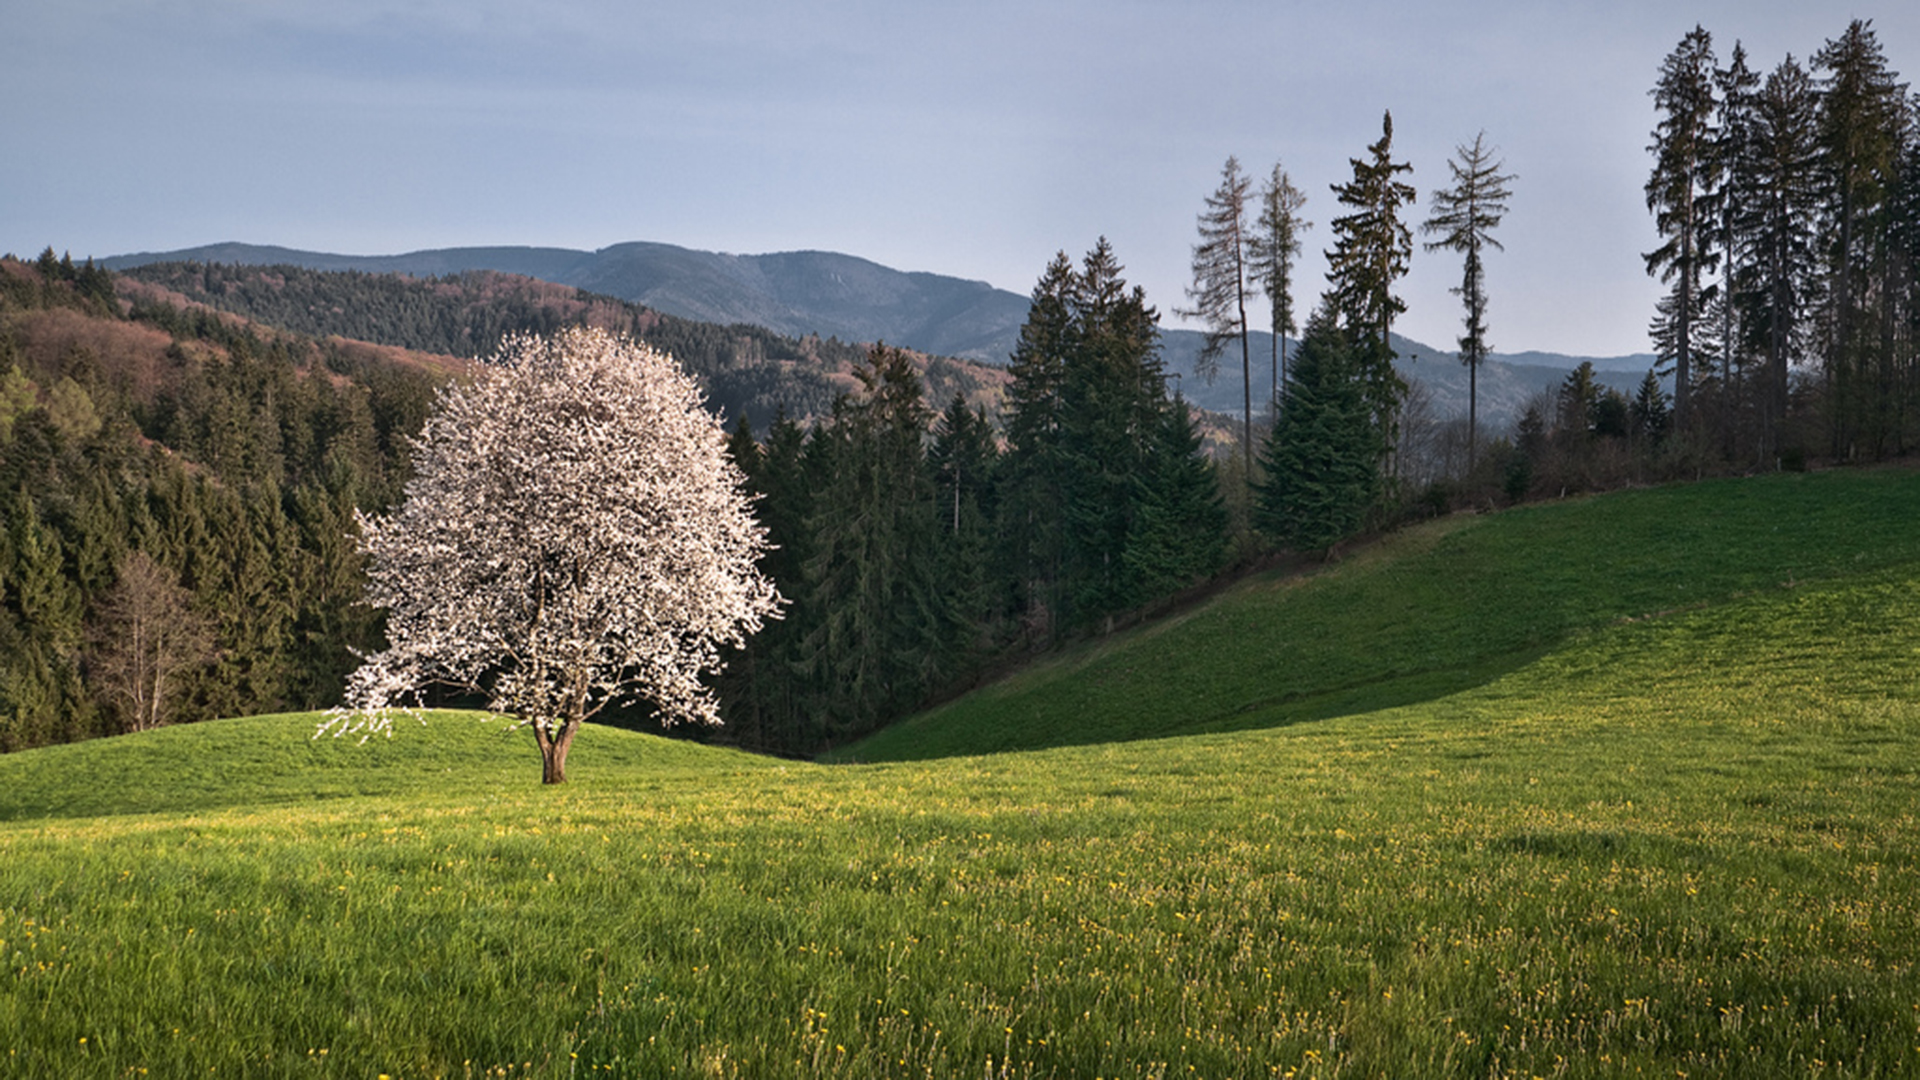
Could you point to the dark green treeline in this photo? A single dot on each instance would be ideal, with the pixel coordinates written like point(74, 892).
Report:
point(1787, 202)
point(915, 549)
point(232, 463)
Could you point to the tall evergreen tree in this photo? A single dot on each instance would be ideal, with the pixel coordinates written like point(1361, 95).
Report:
point(1736, 89)
point(1087, 395)
point(1775, 213)
point(1861, 122)
point(1036, 501)
point(1683, 171)
point(879, 644)
point(1113, 394)
point(1276, 246)
point(1464, 217)
point(1371, 252)
point(1322, 456)
point(1647, 415)
point(1221, 275)
point(1180, 523)
point(963, 459)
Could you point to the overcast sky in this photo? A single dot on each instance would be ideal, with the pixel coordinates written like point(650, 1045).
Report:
point(972, 139)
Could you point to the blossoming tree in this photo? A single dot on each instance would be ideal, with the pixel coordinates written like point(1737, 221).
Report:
point(574, 536)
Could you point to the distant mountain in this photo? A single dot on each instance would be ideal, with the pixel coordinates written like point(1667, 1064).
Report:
point(798, 293)
point(795, 293)
point(744, 370)
point(1507, 381)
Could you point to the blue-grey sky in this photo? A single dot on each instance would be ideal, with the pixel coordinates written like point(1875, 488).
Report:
point(972, 139)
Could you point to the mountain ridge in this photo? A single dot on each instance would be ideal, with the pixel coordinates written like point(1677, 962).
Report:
point(853, 299)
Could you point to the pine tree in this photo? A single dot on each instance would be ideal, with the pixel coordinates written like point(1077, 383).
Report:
point(1035, 502)
point(1774, 219)
point(1180, 526)
point(1464, 216)
point(1322, 457)
point(1683, 171)
point(1861, 121)
point(1276, 245)
point(1734, 129)
point(1220, 279)
point(1372, 248)
point(880, 643)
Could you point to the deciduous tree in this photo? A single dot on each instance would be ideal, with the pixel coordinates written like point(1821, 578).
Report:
point(574, 536)
point(148, 635)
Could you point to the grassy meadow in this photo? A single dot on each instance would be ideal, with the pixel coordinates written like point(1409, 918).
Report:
point(1579, 790)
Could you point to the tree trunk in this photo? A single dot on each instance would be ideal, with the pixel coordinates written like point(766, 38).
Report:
point(553, 751)
point(1473, 409)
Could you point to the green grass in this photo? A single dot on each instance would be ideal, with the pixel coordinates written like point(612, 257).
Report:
point(1684, 844)
point(1432, 611)
point(260, 761)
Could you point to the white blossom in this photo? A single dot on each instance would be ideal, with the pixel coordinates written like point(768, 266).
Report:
point(574, 536)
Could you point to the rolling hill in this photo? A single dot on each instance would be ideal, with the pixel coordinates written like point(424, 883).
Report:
point(1659, 820)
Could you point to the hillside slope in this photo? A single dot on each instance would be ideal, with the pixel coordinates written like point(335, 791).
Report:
point(1432, 611)
point(745, 369)
point(1680, 844)
point(260, 762)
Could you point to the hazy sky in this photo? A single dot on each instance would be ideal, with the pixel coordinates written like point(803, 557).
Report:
point(973, 139)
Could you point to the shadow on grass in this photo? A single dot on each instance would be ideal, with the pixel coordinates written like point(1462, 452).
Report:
point(1389, 693)
point(1260, 714)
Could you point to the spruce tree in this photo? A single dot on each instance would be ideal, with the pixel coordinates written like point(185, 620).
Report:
point(1647, 415)
point(1775, 213)
point(1371, 252)
point(1322, 457)
point(880, 642)
point(963, 460)
point(1180, 525)
point(1861, 121)
point(1276, 246)
point(1735, 127)
point(1112, 395)
point(1221, 275)
point(1683, 171)
point(1035, 502)
point(1464, 216)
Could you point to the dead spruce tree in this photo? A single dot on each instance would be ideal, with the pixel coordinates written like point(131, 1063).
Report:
point(574, 537)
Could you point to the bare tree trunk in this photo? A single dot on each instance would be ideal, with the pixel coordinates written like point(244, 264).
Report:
point(1473, 412)
point(553, 751)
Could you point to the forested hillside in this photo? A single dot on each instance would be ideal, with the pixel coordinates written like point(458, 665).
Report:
point(179, 490)
point(793, 292)
point(183, 481)
point(745, 370)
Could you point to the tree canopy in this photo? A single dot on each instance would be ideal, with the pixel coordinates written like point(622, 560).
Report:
point(575, 536)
